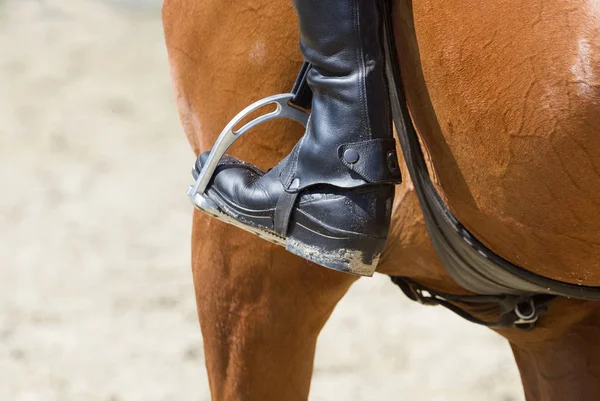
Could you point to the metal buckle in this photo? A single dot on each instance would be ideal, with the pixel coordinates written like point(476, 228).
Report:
point(526, 318)
point(424, 296)
point(228, 136)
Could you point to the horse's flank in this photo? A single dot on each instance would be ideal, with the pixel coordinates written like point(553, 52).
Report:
point(506, 96)
point(494, 89)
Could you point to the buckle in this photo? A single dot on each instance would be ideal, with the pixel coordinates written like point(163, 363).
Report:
point(527, 314)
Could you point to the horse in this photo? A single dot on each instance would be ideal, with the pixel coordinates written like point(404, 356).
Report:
point(505, 100)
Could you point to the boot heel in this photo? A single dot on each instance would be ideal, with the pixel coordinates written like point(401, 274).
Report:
point(352, 254)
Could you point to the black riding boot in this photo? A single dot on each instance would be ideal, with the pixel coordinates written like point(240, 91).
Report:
point(329, 201)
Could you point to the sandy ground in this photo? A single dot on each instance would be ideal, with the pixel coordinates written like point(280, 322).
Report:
point(96, 301)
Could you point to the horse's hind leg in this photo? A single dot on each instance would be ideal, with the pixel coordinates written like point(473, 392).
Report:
point(261, 310)
point(260, 307)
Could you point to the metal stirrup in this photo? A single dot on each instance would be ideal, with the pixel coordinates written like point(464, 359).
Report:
point(229, 135)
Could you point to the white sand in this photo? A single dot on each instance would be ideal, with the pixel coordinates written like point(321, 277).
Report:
point(96, 298)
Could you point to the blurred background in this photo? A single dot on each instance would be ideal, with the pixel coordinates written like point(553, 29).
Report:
point(96, 297)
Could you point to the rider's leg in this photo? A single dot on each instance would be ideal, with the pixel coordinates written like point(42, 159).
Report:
point(331, 197)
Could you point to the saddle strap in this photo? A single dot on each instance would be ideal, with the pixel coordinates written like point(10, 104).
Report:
point(521, 312)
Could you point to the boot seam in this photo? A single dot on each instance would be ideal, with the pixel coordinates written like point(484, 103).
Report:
point(361, 70)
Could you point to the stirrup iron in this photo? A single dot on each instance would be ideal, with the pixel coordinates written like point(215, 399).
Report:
point(228, 136)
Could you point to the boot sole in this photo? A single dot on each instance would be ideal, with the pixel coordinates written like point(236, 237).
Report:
point(351, 254)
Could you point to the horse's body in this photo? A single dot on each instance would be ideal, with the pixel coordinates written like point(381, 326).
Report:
point(505, 97)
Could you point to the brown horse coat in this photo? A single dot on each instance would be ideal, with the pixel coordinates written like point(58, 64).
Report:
point(505, 97)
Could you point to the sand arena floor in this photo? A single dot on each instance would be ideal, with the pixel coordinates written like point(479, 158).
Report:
point(96, 299)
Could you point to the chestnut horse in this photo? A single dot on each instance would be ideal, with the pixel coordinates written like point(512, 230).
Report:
point(505, 97)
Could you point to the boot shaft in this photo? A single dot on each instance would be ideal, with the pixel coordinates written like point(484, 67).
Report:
point(349, 140)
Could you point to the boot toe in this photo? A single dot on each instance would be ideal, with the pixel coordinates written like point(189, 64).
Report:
point(241, 187)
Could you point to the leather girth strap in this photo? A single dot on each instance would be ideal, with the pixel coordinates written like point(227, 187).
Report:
point(470, 263)
point(520, 312)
